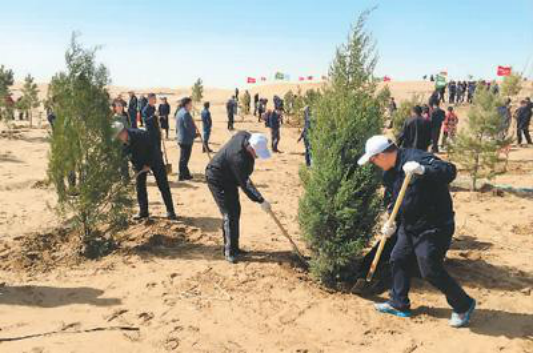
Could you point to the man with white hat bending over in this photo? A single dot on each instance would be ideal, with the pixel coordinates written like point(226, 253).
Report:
point(424, 225)
point(230, 169)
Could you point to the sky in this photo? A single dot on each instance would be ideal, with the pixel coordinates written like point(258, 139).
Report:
point(169, 43)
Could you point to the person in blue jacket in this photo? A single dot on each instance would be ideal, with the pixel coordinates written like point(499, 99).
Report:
point(207, 123)
point(274, 122)
point(186, 132)
point(424, 225)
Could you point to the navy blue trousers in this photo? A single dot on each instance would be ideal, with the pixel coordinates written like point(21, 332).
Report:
point(428, 248)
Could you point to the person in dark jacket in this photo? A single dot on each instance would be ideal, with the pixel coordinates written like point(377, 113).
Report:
point(436, 121)
point(434, 98)
point(145, 157)
point(523, 116)
point(262, 107)
point(132, 109)
point(186, 132)
point(207, 123)
point(164, 109)
point(424, 225)
point(229, 170)
point(452, 92)
point(274, 122)
point(149, 117)
point(230, 111)
point(416, 132)
point(256, 102)
point(142, 103)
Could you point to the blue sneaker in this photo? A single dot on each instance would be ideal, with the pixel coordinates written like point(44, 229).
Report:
point(386, 307)
point(462, 319)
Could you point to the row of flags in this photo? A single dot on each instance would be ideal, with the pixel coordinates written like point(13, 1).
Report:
point(441, 78)
point(279, 76)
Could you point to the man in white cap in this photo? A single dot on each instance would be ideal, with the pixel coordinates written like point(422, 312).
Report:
point(230, 169)
point(424, 226)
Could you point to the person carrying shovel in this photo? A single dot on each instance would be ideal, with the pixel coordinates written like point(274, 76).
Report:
point(424, 225)
point(230, 169)
point(145, 157)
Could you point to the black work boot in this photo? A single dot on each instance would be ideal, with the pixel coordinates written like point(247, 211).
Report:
point(171, 215)
point(141, 216)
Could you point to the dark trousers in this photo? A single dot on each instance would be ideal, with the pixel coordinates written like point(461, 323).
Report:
point(183, 164)
point(230, 122)
point(133, 118)
point(160, 174)
point(523, 130)
point(429, 248)
point(227, 199)
point(436, 133)
point(275, 137)
point(206, 137)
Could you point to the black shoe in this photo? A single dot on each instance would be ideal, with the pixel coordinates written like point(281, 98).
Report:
point(140, 216)
point(242, 252)
point(172, 216)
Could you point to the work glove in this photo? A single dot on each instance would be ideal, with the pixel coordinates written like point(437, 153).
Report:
point(389, 229)
point(266, 206)
point(413, 167)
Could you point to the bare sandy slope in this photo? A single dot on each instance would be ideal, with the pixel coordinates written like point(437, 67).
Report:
point(169, 289)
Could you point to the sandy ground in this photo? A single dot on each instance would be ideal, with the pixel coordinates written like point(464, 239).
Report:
point(171, 290)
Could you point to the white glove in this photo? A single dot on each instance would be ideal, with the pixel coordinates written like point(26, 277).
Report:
point(266, 206)
point(389, 229)
point(413, 168)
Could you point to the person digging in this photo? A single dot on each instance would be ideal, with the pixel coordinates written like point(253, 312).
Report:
point(145, 157)
point(230, 169)
point(424, 225)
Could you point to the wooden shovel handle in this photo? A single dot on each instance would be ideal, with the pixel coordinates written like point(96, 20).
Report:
point(391, 219)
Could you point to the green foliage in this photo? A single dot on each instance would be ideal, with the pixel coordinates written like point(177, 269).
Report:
point(309, 98)
point(197, 91)
point(245, 102)
point(85, 161)
point(289, 103)
point(340, 205)
point(511, 85)
point(404, 111)
point(30, 97)
point(6, 81)
point(477, 146)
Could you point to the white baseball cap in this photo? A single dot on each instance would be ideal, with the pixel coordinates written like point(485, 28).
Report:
point(259, 143)
point(374, 146)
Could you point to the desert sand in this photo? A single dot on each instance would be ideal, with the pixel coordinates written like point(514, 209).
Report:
point(168, 287)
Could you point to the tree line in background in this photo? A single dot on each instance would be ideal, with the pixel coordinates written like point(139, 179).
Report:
point(25, 104)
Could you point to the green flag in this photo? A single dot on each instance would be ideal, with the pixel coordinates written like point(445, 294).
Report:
point(441, 81)
point(279, 76)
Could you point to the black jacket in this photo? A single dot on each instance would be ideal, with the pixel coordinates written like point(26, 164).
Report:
point(132, 104)
point(140, 149)
point(164, 110)
point(233, 165)
point(523, 115)
point(415, 134)
point(438, 116)
point(152, 124)
point(427, 202)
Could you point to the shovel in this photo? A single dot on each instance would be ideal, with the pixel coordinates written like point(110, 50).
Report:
point(168, 166)
point(361, 283)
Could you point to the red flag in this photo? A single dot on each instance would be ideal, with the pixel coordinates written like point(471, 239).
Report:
point(387, 79)
point(263, 78)
point(301, 78)
point(251, 80)
point(310, 78)
point(504, 70)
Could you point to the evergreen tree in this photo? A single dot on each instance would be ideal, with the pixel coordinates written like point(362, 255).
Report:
point(197, 91)
point(511, 85)
point(340, 205)
point(245, 102)
point(7, 80)
point(85, 160)
point(30, 97)
point(289, 103)
point(477, 146)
